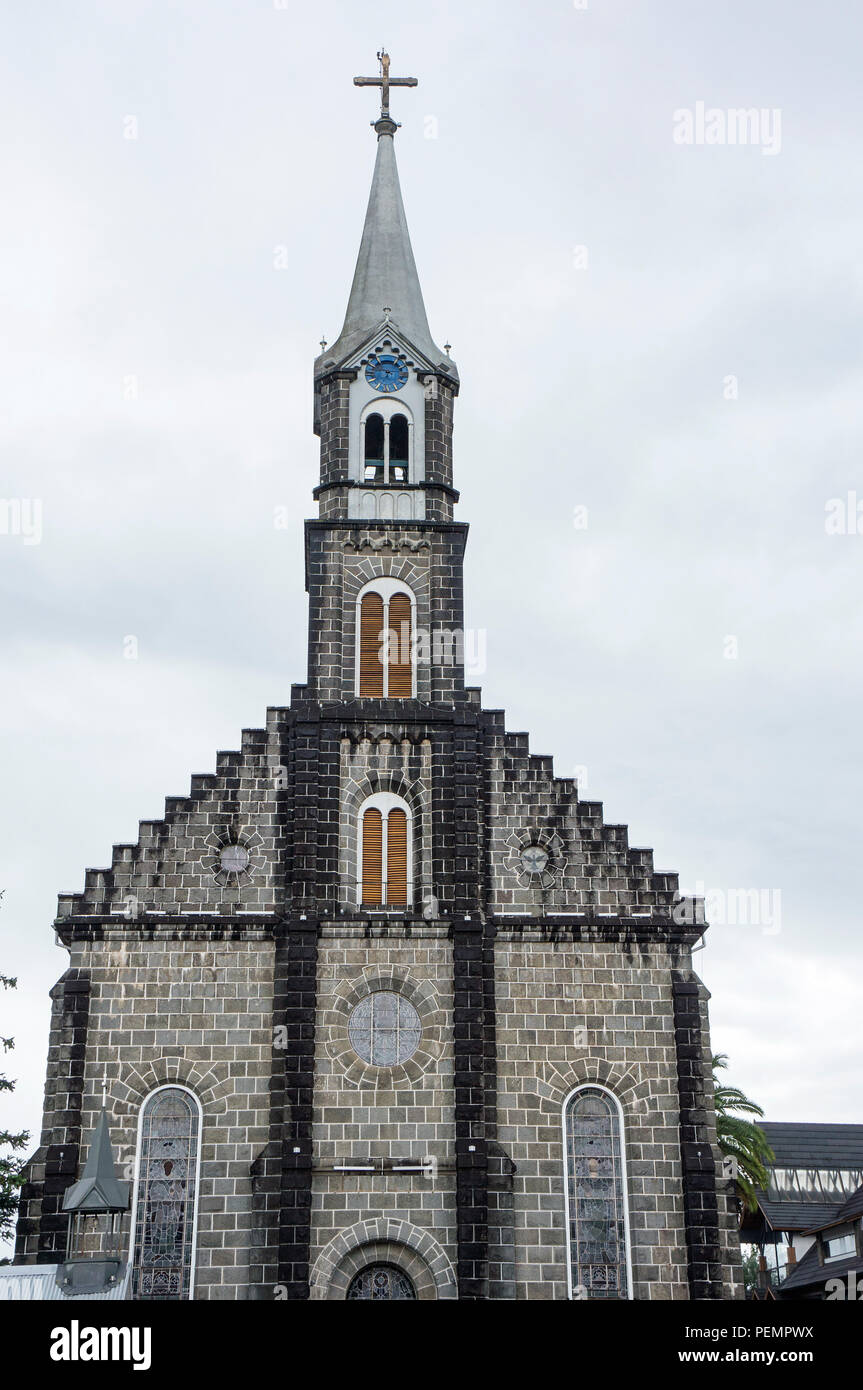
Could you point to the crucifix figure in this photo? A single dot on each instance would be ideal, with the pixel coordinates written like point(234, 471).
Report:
point(385, 82)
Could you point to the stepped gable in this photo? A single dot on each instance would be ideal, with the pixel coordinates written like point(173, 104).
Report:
point(173, 868)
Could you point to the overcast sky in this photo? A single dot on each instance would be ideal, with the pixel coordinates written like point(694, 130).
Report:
point(665, 334)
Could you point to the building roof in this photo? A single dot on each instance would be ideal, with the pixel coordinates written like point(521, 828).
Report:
point(99, 1189)
point(849, 1211)
point(386, 275)
point(814, 1145)
point(813, 1148)
point(797, 1216)
point(26, 1283)
point(811, 1273)
point(853, 1207)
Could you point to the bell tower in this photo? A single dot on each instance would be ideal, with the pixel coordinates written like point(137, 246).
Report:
point(384, 394)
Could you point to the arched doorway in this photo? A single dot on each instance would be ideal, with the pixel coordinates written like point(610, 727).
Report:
point(381, 1281)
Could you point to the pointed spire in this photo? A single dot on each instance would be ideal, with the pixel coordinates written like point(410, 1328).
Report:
point(98, 1189)
point(386, 286)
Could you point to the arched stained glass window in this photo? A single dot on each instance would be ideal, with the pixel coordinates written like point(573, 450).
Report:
point(166, 1195)
point(381, 1281)
point(596, 1195)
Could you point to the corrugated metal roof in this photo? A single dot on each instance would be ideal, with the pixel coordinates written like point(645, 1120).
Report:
point(28, 1283)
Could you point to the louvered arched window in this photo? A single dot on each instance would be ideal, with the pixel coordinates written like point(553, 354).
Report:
point(166, 1195)
point(385, 621)
point(597, 1220)
point(385, 852)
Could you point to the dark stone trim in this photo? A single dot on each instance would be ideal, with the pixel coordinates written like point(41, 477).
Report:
point(473, 1009)
point(471, 1145)
point(286, 1177)
point(71, 1010)
point(700, 1206)
point(356, 523)
point(343, 484)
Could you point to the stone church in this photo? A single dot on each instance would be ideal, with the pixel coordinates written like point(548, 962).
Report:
point(381, 1008)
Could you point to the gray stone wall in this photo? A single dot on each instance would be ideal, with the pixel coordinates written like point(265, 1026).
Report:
point(174, 865)
point(426, 557)
point(569, 1013)
point(181, 988)
point(383, 1117)
point(591, 865)
point(197, 1013)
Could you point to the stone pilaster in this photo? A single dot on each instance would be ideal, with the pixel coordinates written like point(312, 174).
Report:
point(698, 1159)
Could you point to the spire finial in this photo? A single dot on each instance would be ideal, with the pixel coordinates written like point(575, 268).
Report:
point(386, 125)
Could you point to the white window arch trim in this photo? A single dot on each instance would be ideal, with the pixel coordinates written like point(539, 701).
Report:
point(386, 588)
point(386, 408)
point(168, 1086)
point(624, 1183)
point(385, 802)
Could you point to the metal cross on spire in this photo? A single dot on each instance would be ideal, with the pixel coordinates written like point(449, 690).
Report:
point(385, 82)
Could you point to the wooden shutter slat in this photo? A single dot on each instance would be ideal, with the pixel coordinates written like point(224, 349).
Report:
point(400, 669)
point(373, 834)
point(397, 858)
point(371, 640)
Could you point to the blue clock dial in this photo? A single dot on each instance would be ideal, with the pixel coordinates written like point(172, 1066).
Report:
point(386, 373)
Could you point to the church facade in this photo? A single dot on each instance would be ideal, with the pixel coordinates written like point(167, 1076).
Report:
point(382, 1008)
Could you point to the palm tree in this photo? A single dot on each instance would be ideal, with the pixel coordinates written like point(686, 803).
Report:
point(739, 1138)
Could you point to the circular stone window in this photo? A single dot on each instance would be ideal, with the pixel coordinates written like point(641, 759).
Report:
point(234, 859)
point(384, 1029)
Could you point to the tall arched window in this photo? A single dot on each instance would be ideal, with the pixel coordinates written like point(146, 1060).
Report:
point(166, 1195)
point(386, 443)
point(399, 449)
point(385, 852)
point(385, 665)
point(373, 449)
point(597, 1220)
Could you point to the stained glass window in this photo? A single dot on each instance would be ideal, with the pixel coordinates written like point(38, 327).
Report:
point(384, 1029)
point(381, 1281)
point(596, 1196)
point(167, 1196)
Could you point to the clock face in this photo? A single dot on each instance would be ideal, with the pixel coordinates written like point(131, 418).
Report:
point(534, 859)
point(386, 373)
